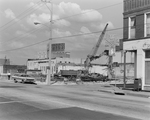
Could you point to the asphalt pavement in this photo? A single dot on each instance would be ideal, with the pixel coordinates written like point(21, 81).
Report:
point(13, 110)
point(69, 101)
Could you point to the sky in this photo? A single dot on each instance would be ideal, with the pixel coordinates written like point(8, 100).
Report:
point(72, 18)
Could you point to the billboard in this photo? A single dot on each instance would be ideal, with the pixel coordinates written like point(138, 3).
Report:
point(58, 47)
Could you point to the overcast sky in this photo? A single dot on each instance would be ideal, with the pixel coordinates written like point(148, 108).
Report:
point(71, 17)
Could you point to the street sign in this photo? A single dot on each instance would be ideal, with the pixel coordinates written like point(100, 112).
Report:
point(58, 47)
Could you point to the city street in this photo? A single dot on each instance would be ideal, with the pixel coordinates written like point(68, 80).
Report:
point(75, 60)
point(68, 102)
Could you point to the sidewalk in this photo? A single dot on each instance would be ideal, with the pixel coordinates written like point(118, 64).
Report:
point(115, 90)
point(100, 86)
point(104, 87)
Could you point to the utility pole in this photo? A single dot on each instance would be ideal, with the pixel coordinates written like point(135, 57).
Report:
point(110, 67)
point(50, 39)
point(124, 77)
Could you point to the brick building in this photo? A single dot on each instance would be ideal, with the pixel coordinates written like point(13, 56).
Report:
point(136, 37)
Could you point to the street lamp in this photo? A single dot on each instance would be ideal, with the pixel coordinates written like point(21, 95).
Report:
point(50, 39)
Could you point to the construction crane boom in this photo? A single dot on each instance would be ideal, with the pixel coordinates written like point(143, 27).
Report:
point(90, 57)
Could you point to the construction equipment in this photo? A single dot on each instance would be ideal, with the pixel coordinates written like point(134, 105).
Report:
point(92, 56)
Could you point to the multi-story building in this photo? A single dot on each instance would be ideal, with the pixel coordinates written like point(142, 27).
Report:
point(136, 37)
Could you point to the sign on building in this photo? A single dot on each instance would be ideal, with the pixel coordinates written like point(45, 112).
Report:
point(58, 47)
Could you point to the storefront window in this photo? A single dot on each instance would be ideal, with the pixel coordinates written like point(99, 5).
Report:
point(147, 71)
point(147, 54)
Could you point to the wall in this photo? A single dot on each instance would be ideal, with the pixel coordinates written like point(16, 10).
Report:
point(137, 10)
point(130, 5)
point(138, 44)
point(98, 69)
point(70, 60)
point(69, 67)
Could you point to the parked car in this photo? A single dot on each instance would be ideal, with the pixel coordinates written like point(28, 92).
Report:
point(23, 78)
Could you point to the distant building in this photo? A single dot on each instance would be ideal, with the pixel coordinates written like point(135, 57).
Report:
point(58, 64)
point(136, 37)
point(6, 68)
point(4, 61)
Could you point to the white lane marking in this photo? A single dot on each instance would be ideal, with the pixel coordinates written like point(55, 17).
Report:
point(9, 102)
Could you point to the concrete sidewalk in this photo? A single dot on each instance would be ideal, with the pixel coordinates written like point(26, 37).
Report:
point(100, 86)
point(115, 90)
point(104, 87)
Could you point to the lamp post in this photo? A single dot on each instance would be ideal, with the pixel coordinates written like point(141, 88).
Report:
point(50, 40)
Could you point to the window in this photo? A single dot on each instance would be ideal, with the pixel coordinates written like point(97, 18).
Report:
point(132, 24)
point(147, 24)
point(147, 71)
point(147, 54)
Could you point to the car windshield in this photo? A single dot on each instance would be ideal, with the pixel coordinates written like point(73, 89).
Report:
point(25, 75)
point(16, 74)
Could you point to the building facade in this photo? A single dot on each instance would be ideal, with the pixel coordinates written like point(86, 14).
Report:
point(136, 37)
point(6, 67)
point(58, 64)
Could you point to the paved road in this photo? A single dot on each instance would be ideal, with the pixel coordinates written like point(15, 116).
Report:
point(82, 102)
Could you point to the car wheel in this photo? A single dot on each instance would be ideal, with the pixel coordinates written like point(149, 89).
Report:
point(15, 80)
point(22, 81)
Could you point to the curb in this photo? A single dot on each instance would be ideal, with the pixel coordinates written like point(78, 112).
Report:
point(137, 95)
point(106, 91)
point(124, 93)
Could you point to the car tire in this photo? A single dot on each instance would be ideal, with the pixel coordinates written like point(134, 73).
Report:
point(22, 81)
point(15, 81)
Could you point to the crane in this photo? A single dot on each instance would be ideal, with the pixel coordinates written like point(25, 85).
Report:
point(91, 56)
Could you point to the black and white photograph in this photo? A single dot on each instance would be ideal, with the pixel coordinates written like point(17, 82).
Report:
point(74, 59)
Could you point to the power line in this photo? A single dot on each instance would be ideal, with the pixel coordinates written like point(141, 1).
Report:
point(57, 38)
point(54, 20)
point(22, 36)
point(18, 19)
point(59, 18)
point(88, 11)
point(19, 15)
point(83, 33)
point(74, 29)
point(24, 46)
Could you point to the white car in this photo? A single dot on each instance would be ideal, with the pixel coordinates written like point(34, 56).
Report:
point(23, 78)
